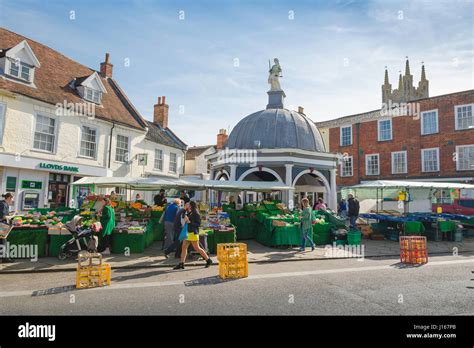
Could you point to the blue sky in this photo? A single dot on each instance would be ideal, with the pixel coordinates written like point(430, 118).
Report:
point(332, 53)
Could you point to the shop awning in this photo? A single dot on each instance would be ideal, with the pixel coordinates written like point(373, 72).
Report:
point(154, 184)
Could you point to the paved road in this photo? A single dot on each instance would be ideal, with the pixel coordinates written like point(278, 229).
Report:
point(331, 287)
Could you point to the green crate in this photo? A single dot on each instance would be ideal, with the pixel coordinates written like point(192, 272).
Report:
point(246, 228)
point(156, 214)
point(447, 226)
point(135, 242)
point(38, 237)
point(321, 233)
point(158, 231)
point(412, 228)
point(215, 237)
point(55, 242)
point(354, 237)
point(149, 236)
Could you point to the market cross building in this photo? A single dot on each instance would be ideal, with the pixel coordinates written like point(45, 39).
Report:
point(61, 120)
point(277, 144)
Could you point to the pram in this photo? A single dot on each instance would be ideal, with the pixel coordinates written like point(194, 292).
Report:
point(82, 239)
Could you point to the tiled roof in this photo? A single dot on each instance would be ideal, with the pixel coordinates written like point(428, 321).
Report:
point(195, 151)
point(160, 135)
point(52, 81)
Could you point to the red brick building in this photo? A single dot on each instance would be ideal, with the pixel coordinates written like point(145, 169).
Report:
point(433, 140)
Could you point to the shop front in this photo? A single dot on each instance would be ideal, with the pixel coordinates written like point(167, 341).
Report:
point(38, 183)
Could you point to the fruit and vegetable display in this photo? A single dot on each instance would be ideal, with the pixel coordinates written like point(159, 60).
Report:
point(157, 208)
point(132, 227)
point(216, 221)
point(36, 220)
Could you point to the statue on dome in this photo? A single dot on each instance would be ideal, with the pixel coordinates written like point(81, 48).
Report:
point(274, 75)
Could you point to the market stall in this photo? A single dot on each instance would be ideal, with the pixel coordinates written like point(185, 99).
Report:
point(41, 228)
point(407, 192)
point(217, 227)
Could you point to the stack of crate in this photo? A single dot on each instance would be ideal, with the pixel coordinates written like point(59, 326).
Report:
point(232, 259)
point(91, 272)
point(413, 250)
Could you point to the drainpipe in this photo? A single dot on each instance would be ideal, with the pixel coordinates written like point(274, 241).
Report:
point(358, 151)
point(110, 143)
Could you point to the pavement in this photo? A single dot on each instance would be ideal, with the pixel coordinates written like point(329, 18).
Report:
point(378, 286)
point(153, 256)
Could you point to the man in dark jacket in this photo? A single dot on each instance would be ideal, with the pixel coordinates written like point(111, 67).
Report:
point(184, 197)
point(353, 210)
point(160, 199)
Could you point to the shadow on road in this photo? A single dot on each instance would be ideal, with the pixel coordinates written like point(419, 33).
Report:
point(400, 265)
point(207, 281)
point(54, 291)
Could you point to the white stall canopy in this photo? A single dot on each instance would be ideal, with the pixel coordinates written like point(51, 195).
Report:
point(390, 188)
point(154, 184)
point(412, 184)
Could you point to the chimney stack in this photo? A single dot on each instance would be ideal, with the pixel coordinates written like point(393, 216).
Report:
point(160, 112)
point(300, 110)
point(221, 139)
point(106, 67)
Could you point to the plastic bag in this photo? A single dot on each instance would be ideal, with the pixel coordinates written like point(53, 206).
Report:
point(184, 233)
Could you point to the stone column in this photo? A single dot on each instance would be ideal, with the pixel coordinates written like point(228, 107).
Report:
point(288, 196)
point(233, 172)
point(333, 192)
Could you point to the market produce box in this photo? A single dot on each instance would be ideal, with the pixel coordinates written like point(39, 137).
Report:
point(286, 236)
point(158, 231)
point(331, 218)
point(30, 236)
point(412, 228)
point(215, 237)
point(156, 214)
point(261, 216)
point(246, 228)
point(135, 242)
point(322, 233)
point(57, 237)
point(149, 235)
point(447, 226)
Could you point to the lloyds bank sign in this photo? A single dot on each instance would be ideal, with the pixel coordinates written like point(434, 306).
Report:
point(59, 167)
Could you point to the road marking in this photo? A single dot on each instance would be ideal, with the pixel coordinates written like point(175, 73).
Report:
point(121, 286)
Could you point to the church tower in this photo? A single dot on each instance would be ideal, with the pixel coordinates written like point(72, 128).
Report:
point(386, 88)
point(406, 91)
point(423, 85)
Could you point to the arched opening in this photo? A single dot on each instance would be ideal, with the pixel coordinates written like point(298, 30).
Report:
point(260, 174)
point(312, 185)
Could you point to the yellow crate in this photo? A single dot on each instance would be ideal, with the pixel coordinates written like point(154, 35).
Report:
point(229, 252)
point(238, 269)
point(93, 276)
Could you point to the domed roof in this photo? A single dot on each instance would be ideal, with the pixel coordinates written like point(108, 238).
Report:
point(276, 128)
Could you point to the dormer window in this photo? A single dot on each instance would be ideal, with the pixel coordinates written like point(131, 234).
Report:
point(19, 63)
point(90, 88)
point(20, 70)
point(92, 95)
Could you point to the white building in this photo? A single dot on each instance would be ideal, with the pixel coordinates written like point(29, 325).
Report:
point(60, 121)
